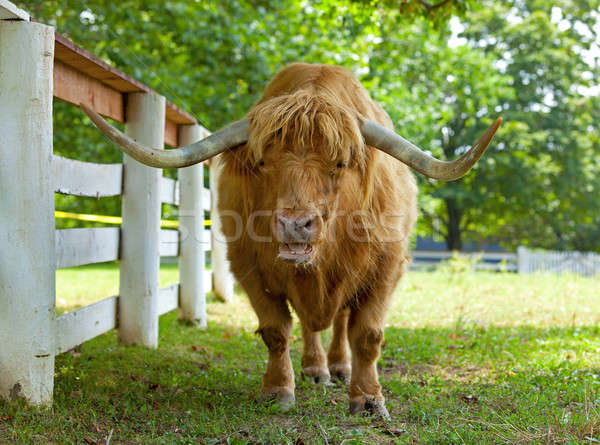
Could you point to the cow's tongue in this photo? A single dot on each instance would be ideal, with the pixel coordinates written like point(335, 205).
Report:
point(297, 248)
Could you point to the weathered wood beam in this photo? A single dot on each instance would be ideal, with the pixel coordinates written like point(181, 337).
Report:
point(140, 230)
point(76, 247)
point(76, 87)
point(77, 327)
point(72, 177)
point(9, 11)
point(81, 77)
point(26, 213)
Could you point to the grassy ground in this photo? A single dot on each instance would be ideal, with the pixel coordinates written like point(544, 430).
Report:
point(469, 358)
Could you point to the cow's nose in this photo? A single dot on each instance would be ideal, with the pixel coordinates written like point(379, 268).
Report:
point(296, 227)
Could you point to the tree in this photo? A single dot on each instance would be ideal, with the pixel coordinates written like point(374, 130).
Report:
point(543, 49)
point(536, 183)
point(210, 58)
point(524, 59)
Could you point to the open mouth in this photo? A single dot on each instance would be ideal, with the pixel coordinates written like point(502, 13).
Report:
point(297, 252)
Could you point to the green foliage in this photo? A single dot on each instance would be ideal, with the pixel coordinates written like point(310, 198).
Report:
point(537, 182)
point(443, 85)
point(436, 12)
point(552, 140)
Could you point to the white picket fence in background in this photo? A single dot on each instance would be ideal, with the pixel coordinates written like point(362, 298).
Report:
point(524, 261)
point(579, 263)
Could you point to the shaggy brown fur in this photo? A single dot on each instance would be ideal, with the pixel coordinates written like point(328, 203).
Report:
point(306, 152)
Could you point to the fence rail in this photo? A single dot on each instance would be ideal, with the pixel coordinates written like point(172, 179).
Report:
point(76, 247)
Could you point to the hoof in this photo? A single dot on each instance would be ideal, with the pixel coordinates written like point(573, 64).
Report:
point(371, 405)
point(283, 397)
point(286, 402)
point(340, 372)
point(317, 375)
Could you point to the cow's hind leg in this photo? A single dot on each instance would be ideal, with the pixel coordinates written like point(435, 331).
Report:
point(314, 362)
point(338, 356)
point(365, 329)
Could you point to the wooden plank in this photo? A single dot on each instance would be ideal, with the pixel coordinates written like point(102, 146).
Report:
point(87, 63)
point(26, 213)
point(10, 11)
point(171, 133)
point(140, 242)
point(72, 177)
point(178, 116)
point(169, 243)
point(206, 199)
point(77, 327)
point(76, 87)
point(192, 255)
point(207, 244)
point(168, 298)
point(169, 191)
point(75, 247)
point(208, 280)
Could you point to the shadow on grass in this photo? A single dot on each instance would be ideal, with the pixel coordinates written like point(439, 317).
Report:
point(466, 384)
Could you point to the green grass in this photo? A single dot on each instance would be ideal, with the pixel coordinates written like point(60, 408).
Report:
point(469, 358)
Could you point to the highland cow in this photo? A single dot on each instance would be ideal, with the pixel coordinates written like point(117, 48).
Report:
point(322, 187)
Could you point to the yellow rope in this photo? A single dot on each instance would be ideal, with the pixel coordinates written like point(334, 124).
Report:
point(112, 219)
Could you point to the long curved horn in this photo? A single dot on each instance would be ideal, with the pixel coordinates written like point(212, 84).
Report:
point(395, 145)
point(230, 136)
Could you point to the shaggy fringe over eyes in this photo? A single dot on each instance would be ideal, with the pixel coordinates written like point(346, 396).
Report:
point(304, 121)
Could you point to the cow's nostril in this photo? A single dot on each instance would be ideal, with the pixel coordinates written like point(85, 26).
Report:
point(306, 223)
point(298, 227)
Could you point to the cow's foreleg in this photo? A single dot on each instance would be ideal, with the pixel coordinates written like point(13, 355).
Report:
point(338, 356)
point(275, 327)
point(365, 331)
point(314, 363)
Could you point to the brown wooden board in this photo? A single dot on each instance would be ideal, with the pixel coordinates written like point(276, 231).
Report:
point(171, 133)
point(81, 77)
point(75, 87)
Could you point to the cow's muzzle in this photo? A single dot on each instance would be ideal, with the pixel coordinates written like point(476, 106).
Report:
point(296, 231)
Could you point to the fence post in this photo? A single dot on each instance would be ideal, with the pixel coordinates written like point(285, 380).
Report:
point(140, 230)
point(27, 257)
point(522, 260)
point(192, 296)
point(221, 272)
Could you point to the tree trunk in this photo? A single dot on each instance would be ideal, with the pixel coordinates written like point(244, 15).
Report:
point(453, 230)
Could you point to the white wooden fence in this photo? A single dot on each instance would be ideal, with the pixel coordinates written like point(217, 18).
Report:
point(579, 263)
point(36, 65)
point(524, 261)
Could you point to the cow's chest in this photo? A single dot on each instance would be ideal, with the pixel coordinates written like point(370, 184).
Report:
point(315, 299)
